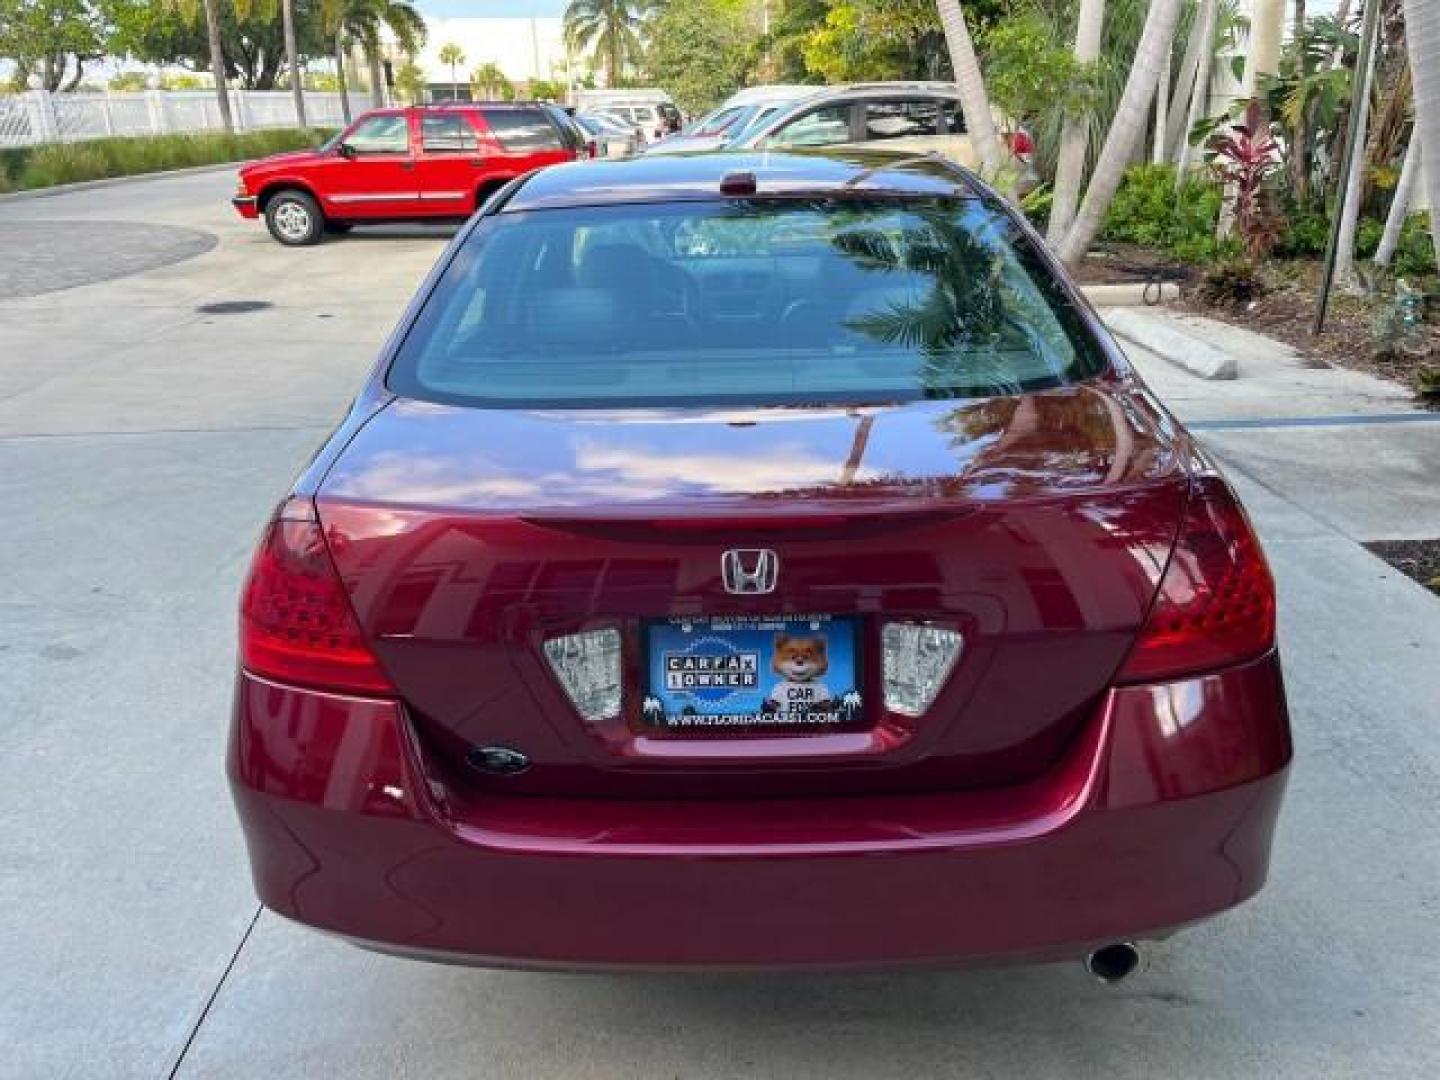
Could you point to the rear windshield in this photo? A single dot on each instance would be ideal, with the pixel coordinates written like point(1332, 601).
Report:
point(755, 302)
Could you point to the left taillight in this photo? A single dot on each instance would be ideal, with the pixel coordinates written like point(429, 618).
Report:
point(296, 623)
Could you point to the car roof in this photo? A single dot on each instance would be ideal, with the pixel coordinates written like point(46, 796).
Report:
point(697, 177)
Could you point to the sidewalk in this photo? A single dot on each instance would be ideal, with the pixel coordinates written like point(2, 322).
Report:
point(1326, 438)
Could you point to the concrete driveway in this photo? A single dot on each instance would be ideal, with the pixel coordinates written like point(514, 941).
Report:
point(143, 441)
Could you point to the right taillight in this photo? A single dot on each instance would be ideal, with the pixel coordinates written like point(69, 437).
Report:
point(296, 623)
point(1216, 602)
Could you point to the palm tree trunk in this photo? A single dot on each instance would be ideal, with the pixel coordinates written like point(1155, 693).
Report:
point(1199, 96)
point(340, 77)
point(1185, 85)
point(217, 63)
point(1162, 103)
point(377, 74)
point(1125, 129)
point(292, 58)
point(1267, 28)
point(1349, 208)
point(1399, 204)
point(1422, 37)
point(971, 84)
point(1342, 16)
point(1075, 135)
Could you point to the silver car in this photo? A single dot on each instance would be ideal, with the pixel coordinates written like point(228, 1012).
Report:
point(921, 117)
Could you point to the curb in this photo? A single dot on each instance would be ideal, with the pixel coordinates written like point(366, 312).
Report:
point(1169, 341)
point(116, 181)
point(1132, 294)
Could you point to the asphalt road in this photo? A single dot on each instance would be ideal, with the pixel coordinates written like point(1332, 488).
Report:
point(143, 441)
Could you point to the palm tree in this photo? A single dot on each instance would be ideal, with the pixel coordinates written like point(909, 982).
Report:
point(1423, 42)
point(1201, 90)
point(454, 56)
point(1262, 57)
point(611, 28)
point(974, 101)
point(362, 21)
point(1349, 205)
point(1125, 128)
point(490, 82)
point(1075, 136)
point(211, 9)
point(292, 59)
point(1399, 204)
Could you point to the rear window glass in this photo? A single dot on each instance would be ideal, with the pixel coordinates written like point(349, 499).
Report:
point(756, 302)
point(442, 132)
point(523, 129)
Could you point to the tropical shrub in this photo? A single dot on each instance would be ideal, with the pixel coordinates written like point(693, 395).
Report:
point(1306, 232)
point(1148, 210)
point(1244, 157)
point(1230, 281)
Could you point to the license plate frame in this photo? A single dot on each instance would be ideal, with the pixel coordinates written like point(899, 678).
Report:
point(715, 676)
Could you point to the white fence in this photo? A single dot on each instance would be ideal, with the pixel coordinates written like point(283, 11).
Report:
point(37, 116)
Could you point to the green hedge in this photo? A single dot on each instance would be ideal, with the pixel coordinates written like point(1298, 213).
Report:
point(1149, 211)
point(96, 159)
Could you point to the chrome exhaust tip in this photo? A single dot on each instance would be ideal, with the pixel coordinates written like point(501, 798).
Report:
point(1114, 963)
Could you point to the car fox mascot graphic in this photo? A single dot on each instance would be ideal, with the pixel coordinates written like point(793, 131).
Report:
point(801, 663)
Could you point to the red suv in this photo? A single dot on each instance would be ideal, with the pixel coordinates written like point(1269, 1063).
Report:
point(405, 164)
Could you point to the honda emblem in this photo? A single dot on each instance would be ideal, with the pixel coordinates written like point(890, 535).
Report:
point(750, 571)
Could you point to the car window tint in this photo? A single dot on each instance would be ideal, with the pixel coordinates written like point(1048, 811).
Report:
point(441, 133)
point(523, 130)
point(380, 135)
point(719, 122)
point(954, 119)
point(820, 127)
point(763, 302)
point(901, 119)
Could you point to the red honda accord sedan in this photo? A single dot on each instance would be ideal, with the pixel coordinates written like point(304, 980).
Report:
point(756, 561)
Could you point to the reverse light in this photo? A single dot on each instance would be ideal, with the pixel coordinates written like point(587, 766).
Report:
point(1216, 602)
point(588, 667)
point(296, 623)
point(916, 660)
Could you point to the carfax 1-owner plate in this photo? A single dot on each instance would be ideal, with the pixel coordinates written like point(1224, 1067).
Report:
point(772, 675)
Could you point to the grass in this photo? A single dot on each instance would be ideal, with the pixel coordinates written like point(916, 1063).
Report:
point(97, 159)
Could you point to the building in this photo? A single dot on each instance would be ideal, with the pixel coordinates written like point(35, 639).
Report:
point(524, 49)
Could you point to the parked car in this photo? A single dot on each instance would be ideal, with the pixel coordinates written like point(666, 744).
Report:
point(757, 560)
point(651, 110)
point(725, 124)
point(917, 117)
point(405, 164)
point(613, 137)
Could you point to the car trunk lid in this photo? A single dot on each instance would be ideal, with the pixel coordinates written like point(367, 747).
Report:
point(1034, 526)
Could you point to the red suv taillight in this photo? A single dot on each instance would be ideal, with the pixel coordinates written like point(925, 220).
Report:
point(296, 623)
point(1216, 602)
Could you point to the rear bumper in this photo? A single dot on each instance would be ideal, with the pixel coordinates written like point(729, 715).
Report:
point(248, 206)
point(1160, 815)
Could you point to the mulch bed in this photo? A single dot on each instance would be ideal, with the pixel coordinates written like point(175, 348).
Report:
point(1127, 264)
point(1286, 311)
point(1418, 559)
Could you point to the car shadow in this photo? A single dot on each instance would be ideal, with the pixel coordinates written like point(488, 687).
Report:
point(426, 231)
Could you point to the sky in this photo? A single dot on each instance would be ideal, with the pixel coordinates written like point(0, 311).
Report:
point(476, 9)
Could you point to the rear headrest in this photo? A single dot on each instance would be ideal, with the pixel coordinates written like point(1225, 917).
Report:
point(572, 316)
point(615, 266)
